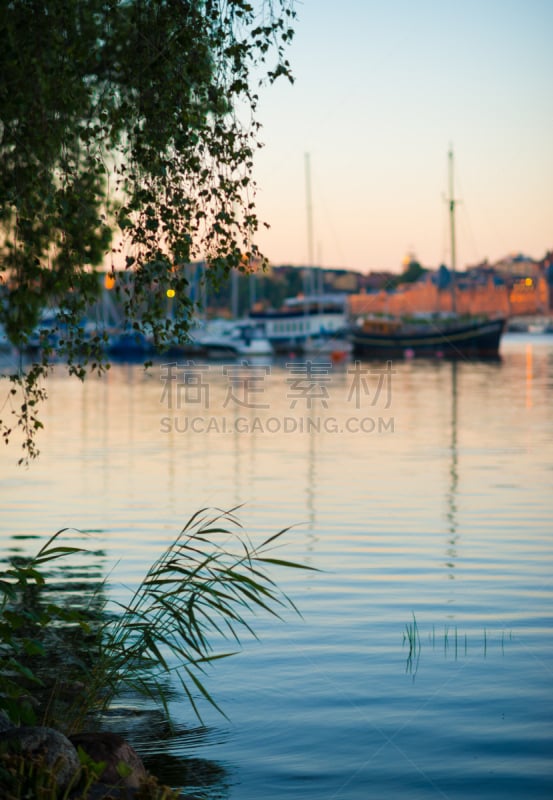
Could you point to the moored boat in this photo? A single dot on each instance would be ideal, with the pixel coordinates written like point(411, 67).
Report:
point(305, 324)
point(451, 338)
point(232, 338)
point(455, 336)
point(128, 345)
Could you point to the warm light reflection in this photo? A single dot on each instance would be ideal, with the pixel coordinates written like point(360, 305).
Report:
point(529, 375)
point(109, 281)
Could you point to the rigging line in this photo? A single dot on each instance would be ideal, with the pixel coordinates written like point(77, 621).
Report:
point(329, 226)
point(467, 225)
point(446, 220)
point(446, 247)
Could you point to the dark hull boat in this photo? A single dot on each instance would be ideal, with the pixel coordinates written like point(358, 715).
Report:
point(474, 338)
point(455, 337)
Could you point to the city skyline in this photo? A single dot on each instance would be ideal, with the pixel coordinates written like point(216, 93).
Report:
point(381, 95)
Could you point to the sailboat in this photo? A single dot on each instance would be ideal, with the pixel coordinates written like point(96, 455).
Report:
point(452, 337)
point(314, 323)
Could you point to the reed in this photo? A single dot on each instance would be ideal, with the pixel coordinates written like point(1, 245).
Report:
point(452, 641)
point(205, 588)
point(33, 778)
point(412, 637)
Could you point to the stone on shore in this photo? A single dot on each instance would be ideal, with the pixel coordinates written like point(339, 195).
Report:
point(35, 741)
point(113, 750)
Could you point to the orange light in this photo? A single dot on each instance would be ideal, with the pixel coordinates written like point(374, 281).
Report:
point(109, 281)
point(528, 282)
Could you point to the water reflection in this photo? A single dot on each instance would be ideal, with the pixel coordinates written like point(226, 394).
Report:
point(529, 375)
point(311, 481)
point(461, 489)
point(453, 536)
point(168, 750)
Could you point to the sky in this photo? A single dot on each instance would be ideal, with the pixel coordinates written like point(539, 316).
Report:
point(383, 89)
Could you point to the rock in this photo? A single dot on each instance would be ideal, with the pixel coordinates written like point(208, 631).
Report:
point(56, 749)
point(61, 757)
point(113, 750)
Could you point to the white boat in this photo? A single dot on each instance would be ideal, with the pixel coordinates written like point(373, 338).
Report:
point(232, 338)
point(313, 323)
point(541, 325)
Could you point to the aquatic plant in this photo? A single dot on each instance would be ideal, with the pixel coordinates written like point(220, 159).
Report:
point(451, 640)
point(204, 588)
point(412, 637)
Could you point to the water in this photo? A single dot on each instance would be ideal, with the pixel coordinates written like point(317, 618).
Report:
point(434, 510)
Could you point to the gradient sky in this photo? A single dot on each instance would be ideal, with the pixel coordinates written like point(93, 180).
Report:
point(383, 87)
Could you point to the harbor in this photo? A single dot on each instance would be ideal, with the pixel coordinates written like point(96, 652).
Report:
point(423, 505)
point(276, 349)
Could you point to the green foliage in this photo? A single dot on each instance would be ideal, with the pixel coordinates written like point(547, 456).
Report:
point(204, 587)
point(411, 274)
point(39, 638)
point(127, 136)
point(28, 389)
point(25, 778)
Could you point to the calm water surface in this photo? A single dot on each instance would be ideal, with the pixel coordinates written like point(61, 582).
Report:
point(422, 495)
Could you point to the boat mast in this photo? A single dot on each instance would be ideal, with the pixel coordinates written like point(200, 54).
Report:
point(310, 277)
point(452, 203)
point(309, 209)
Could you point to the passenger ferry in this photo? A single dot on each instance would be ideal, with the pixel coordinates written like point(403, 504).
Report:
point(307, 323)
